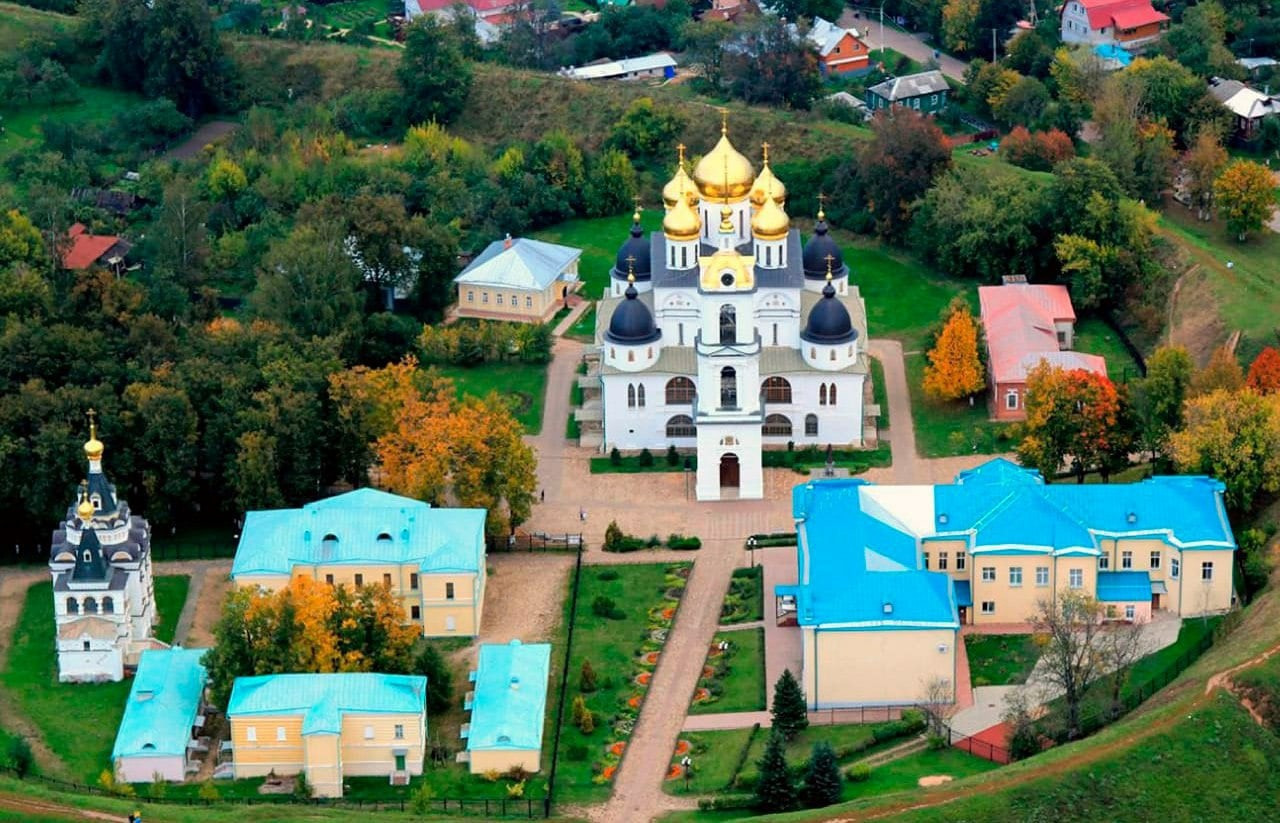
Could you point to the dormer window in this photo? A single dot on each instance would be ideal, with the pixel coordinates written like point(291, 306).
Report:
point(88, 557)
point(384, 538)
point(96, 500)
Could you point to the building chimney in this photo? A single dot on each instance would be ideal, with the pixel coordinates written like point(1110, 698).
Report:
point(506, 244)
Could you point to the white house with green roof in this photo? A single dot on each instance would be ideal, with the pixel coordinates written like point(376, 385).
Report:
point(328, 726)
point(508, 706)
point(433, 560)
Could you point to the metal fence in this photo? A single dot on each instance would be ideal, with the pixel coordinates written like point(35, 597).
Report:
point(527, 807)
point(980, 748)
point(537, 542)
point(857, 714)
point(564, 684)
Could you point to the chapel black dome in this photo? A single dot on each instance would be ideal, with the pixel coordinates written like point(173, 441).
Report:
point(632, 322)
point(636, 246)
point(816, 251)
point(829, 322)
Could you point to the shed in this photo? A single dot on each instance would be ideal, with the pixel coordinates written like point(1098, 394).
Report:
point(508, 707)
point(155, 734)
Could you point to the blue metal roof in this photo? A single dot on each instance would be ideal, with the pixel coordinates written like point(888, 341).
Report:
point(862, 572)
point(163, 702)
point(510, 696)
point(1124, 586)
point(322, 699)
point(964, 592)
point(363, 526)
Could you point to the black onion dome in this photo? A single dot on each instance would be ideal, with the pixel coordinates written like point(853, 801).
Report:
point(829, 322)
point(632, 322)
point(636, 246)
point(816, 251)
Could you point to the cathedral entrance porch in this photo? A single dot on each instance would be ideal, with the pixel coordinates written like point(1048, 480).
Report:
point(729, 464)
point(729, 470)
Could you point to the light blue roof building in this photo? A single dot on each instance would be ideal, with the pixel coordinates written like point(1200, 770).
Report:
point(886, 575)
point(323, 699)
point(508, 706)
point(155, 733)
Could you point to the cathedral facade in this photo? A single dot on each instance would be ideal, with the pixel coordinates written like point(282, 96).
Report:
point(103, 596)
point(723, 334)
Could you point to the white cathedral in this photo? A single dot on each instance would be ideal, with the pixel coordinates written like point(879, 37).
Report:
point(103, 596)
point(721, 333)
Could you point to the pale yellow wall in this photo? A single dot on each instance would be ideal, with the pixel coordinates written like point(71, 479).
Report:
point(270, 582)
point(503, 761)
point(1014, 604)
point(844, 668)
point(1194, 597)
point(952, 548)
point(545, 302)
point(1088, 565)
point(254, 759)
point(324, 765)
point(364, 756)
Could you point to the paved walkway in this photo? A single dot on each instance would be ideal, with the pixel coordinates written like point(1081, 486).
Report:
point(579, 308)
point(782, 644)
point(637, 792)
point(868, 24)
point(902, 429)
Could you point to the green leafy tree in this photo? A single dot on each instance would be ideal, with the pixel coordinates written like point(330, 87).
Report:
point(1158, 398)
point(893, 171)
point(431, 662)
point(789, 711)
point(611, 184)
point(1223, 371)
point(308, 283)
point(1084, 264)
point(1023, 104)
point(776, 788)
point(647, 130)
point(587, 678)
point(960, 25)
point(704, 44)
point(433, 74)
point(1245, 196)
point(1204, 162)
point(18, 756)
point(821, 777)
point(20, 240)
point(789, 78)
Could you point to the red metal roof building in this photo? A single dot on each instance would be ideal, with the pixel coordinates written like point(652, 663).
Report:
point(1130, 24)
point(86, 249)
point(1024, 325)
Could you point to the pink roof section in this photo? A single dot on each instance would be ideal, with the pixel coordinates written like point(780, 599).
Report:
point(1019, 323)
point(1123, 14)
point(484, 8)
point(85, 249)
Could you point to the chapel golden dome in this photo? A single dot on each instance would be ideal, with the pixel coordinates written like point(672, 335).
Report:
point(85, 509)
point(93, 446)
point(682, 222)
point(680, 184)
point(767, 184)
point(770, 222)
point(724, 172)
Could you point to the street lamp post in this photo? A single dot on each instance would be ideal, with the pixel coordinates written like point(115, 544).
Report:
point(751, 547)
point(686, 763)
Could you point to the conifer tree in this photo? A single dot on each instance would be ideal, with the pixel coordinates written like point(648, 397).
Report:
point(587, 678)
point(821, 777)
point(776, 789)
point(790, 714)
point(955, 368)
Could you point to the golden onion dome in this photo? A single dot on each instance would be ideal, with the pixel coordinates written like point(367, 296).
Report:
point(85, 509)
point(682, 222)
point(93, 446)
point(680, 183)
point(724, 173)
point(767, 185)
point(770, 222)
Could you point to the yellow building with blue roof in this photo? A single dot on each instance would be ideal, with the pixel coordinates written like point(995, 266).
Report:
point(887, 575)
point(508, 705)
point(432, 560)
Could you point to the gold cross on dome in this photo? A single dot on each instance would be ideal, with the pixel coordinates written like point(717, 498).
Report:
point(93, 425)
point(765, 147)
point(631, 268)
point(830, 259)
point(680, 147)
point(724, 120)
point(822, 199)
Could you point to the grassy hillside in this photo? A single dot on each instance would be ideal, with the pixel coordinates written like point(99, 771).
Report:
point(18, 23)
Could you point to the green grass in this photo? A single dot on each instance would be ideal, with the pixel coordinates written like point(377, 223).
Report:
point(22, 126)
point(714, 755)
point(742, 678)
point(571, 430)
point(614, 648)
point(905, 773)
point(904, 297)
point(599, 239)
point(351, 14)
point(1248, 292)
point(1094, 336)
point(18, 23)
point(1000, 659)
point(880, 393)
point(630, 464)
point(744, 602)
point(524, 384)
point(584, 328)
point(78, 720)
point(1189, 636)
point(948, 429)
point(171, 594)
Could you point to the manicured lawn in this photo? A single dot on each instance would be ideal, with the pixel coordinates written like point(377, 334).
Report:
point(171, 594)
point(880, 393)
point(1000, 659)
point(78, 720)
point(630, 464)
point(351, 14)
point(904, 297)
point(523, 384)
point(1247, 292)
point(584, 328)
point(1094, 336)
point(714, 756)
point(615, 649)
point(599, 238)
point(905, 773)
point(740, 678)
point(846, 739)
point(948, 429)
point(744, 602)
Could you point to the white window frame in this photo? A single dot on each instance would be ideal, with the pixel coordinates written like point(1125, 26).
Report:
point(280, 735)
point(1130, 612)
point(1155, 558)
point(988, 574)
point(1126, 560)
point(251, 734)
point(1175, 567)
point(399, 731)
point(991, 610)
point(1206, 571)
point(368, 732)
point(1104, 562)
point(1011, 400)
point(1075, 578)
point(925, 557)
point(1042, 575)
point(960, 561)
point(942, 561)
point(1015, 576)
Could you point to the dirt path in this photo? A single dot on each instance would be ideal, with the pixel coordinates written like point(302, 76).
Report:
point(902, 429)
point(210, 132)
point(13, 596)
point(30, 807)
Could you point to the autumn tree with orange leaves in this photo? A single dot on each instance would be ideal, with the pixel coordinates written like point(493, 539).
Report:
point(308, 627)
point(1264, 372)
point(429, 445)
point(1072, 414)
point(955, 367)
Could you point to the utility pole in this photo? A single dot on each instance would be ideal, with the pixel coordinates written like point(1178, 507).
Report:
point(994, 58)
point(882, 30)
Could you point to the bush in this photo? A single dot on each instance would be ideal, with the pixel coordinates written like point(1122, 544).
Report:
point(673, 457)
point(301, 788)
point(420, 800)
point(938, 742)
point(615, 457)
point(208, 792)
point(726, 803)
point(577, 753)
point(680, 542)
point(18, 756)
point(587, 678)
point(646, 458)
point(858, 773)
point(607, 574)
point(615, 540)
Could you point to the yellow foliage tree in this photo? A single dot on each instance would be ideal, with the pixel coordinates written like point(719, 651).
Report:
point(1233, 435)
point(955, 367)
point(1245, 198)
point(960, 24)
